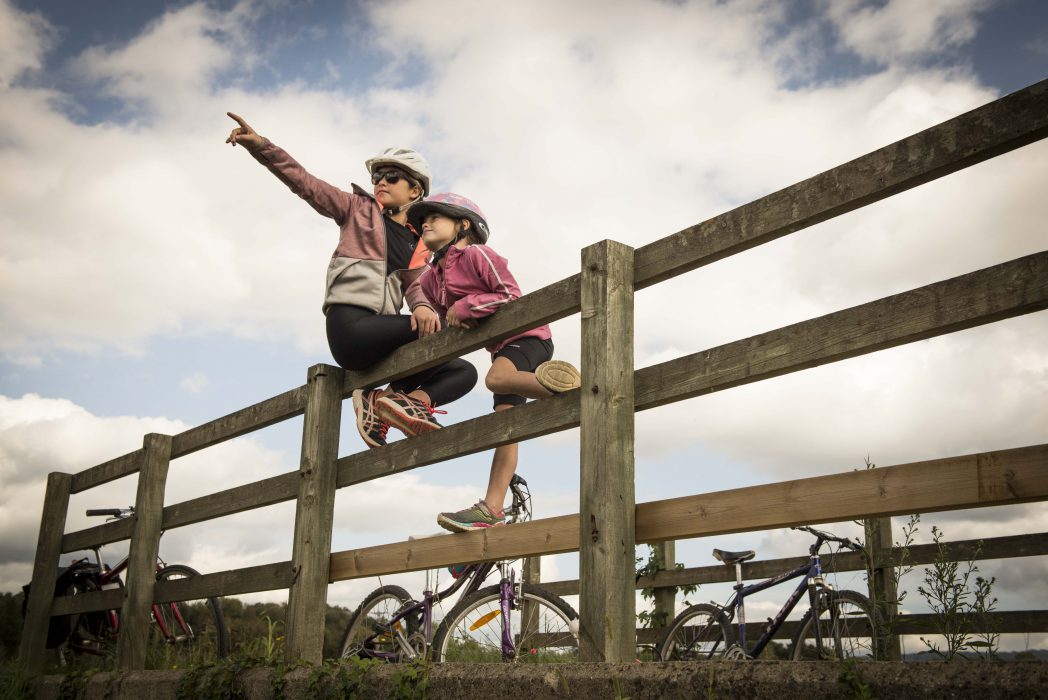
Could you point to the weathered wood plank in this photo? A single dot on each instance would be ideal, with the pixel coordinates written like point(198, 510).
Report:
point(992, 294)
point(1007, 476)
point(266, 577)
point(32, 649)
point(314, 516)
point(962, 550)
point(135, 615)
point(262, 414)
point(883, 590)
point(551, 303)
point(98, 535)
point(607, 607)
point(1004, 125)
point(954, 483)
point(257, 494)
point(114, 469)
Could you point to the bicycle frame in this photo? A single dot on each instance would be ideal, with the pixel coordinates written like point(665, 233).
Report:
point(811, 580)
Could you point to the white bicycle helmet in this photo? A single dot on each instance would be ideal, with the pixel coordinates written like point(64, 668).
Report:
point(406, 159)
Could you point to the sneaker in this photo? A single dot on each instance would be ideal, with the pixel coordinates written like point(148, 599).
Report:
point(369, 423)
point(558, 376)
point(412, 416)
point(477, 517)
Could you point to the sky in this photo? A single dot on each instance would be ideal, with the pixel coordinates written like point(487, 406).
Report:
point(152, 278)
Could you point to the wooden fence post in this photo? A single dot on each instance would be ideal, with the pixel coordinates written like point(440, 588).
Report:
point(665, 598)
point(45, 571)
point(884, 592)
point(607, 564)
point(135, 616)
point(314, 516)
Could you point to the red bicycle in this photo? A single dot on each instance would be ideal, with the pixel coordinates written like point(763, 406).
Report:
point(183, 632)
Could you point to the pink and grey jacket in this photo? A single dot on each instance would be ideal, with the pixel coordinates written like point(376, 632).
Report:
point(477, 282)
point(357, 272)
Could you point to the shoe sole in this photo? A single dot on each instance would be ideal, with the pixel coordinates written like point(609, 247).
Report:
point(558, 376)
point(455, 526)
point(413, 427)
point(358, 410)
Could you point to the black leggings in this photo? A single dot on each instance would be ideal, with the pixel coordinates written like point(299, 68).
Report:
point(359, 338)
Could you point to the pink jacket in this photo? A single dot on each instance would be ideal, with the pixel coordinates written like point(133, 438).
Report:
point(477, 282)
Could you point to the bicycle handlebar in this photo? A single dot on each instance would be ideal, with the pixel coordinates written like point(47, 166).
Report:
point(112, 512)
point(843, 541)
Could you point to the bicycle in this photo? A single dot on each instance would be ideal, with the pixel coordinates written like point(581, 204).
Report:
point(837, 625)
point(184, 631)
point(508, 621)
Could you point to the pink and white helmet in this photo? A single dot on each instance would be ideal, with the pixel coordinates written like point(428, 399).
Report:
point(453, 206)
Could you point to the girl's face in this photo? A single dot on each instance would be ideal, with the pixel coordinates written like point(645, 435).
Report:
point(389, 194)
point(438, 230)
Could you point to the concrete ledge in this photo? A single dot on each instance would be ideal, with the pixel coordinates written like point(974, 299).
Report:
point(655, 681)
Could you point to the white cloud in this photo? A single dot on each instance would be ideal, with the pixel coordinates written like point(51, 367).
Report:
point(900, 29)
point(195, 383)
point(24, 39)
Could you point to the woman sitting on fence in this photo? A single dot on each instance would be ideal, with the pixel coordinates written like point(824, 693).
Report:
point(467, 281)
point(375, 266)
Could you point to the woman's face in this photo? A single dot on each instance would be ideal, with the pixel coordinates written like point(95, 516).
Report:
point(438, 230)
point(391, 195)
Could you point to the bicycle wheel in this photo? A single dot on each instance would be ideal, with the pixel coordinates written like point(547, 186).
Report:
point(544, 628)
point(371, 618)
point(186, 632)
point(848, 626)
point(89, 633)
point(700, 632)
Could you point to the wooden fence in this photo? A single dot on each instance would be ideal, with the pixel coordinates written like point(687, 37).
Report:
point(609, 522)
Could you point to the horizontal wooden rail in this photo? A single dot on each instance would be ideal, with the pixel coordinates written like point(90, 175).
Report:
point(918, 554)
point(96, 536)
point(985, 479)
point(112, 470)
point(265, 413)
point(267, 577)
point(1003, 291)
point(1011, 122)
point(992, 294)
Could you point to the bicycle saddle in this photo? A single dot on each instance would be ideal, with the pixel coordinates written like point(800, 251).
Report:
point(734, 557)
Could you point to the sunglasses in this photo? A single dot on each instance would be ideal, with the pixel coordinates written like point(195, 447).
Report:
point(390, 176)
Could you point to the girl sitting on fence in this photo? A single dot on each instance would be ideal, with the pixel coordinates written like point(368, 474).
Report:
point(374, 269)
point(467, 281)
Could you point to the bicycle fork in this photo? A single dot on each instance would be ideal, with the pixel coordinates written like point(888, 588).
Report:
point(508, 591)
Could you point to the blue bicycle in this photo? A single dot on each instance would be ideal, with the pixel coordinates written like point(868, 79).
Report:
point(837, 625)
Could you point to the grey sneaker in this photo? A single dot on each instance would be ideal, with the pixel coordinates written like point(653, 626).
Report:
point(476, 517)
point(558, 376)
point(369, 424)
point(410, 415)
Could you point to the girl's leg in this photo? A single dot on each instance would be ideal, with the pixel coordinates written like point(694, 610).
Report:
point(505, 378)
point(503, 466)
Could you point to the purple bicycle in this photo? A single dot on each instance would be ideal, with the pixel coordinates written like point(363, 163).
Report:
point(837, 625)
point(508, 621)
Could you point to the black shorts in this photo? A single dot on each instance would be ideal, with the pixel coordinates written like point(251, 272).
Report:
point(526, 354)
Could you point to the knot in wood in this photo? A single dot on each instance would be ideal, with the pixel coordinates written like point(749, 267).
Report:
point(595, 389)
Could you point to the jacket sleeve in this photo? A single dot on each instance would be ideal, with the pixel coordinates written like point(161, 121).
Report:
point(426, 284)
point(324, 198)
point(494, 275)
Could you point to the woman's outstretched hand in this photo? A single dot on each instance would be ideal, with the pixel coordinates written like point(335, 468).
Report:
point(243, 134)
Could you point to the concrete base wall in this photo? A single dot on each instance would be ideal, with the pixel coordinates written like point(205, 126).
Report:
point(775, 680)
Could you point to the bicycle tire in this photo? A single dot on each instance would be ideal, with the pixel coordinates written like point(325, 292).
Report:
point(89, 633)
point(549, 636)
point(698, 633)
point(372, 617)
point(845, 618)
point(196, 629)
